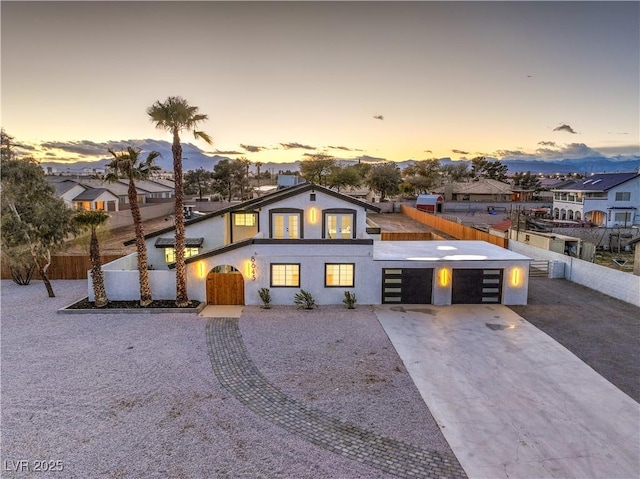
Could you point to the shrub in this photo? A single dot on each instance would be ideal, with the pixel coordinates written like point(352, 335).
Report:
point(265, 296)
point(350, 299)
point(304, 299)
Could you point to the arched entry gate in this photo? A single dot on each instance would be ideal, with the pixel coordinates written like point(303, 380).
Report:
point(225, 285)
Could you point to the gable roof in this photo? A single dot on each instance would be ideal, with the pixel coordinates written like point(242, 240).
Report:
point(599, 182)
point(63, 186)
point(484, 186)
point(92, 194)
point(262, 201)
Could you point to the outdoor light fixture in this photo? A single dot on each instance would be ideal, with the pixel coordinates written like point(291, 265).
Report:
point(444, 277)
point(201, 270)
point(247, 269)
point(516, 277)
point(313, 215)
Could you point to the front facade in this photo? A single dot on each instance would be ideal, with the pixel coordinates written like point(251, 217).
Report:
point(608, 200)
point(313, 238)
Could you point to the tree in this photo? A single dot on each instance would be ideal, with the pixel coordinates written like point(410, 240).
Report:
point(384, 178)
point(175, 115)
point(129, 165)
point(422, 175)
point(316, 168)
point(91, 220)
point(342, 177)
point(483, 168)
point(454, 172)
point(197, 182)
point(229, 178)
point(32, 219)
point(526, 181)
point(258, 165)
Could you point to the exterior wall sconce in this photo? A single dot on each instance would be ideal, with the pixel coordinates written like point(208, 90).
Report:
point(516, 277)
point(250, 269)
point(201, 269)
point(444, 277)
point(313, 215)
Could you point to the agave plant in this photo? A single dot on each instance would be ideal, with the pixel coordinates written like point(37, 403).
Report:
point(265, 296)
point(350, 299)
point(304, 300)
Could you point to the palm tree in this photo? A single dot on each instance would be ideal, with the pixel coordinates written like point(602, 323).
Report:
point(175, 115)
point(129, 165)
point(258, 165)
point(92, 220)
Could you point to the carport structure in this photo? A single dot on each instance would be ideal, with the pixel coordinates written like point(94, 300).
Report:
point(450, 272)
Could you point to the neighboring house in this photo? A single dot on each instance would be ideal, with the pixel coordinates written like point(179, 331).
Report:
point(152, 189)
point(313, 238)
point(500, 229)
point(96, 199)
point(65, 188)
point(606, 199)
point(481, 189)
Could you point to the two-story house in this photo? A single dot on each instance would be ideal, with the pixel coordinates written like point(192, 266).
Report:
point(313, 238)
point(605, 199)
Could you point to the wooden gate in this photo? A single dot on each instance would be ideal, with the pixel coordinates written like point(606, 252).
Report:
point(225, 288)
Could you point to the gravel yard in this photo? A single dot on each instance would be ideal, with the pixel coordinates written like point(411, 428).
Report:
point(134, 395)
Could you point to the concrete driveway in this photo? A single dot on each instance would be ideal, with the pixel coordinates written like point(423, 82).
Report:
point(510, 400)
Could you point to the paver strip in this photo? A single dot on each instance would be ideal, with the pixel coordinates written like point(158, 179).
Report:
point(239, 375)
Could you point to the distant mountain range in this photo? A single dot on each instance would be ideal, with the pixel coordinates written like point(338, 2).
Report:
point(194, 158)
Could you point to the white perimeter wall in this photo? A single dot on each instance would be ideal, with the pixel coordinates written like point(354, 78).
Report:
point(618, 284)
point(125, 285)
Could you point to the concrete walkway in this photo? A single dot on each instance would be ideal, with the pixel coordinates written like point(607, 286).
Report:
point(511, 401)
point(239, 375)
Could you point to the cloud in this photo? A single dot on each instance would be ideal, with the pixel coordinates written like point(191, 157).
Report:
point(428, 151)
point(513, 154)
point(253, 148)
point(228, 152)
point(547, 143)
point(565, 127)
point(343, 148)
point(291, 146)
point(378, 117)
point(460, 152)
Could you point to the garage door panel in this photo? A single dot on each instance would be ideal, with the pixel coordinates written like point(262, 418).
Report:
point(407, 285)
point(476, 286)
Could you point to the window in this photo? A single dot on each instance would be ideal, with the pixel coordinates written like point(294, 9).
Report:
point(623, 217)
point(339, 224)
point(338, 275)
point(623, 196)
point(170, 254)
point(244, 219)
point(285, 275)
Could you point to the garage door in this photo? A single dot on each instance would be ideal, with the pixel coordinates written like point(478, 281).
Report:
point(476, 286)
point(407, 285)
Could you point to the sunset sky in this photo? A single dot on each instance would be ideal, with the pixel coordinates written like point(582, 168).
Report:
point(388, 80)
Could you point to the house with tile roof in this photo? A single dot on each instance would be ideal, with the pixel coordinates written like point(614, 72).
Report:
point(480, 189)
point(314, 238)
point(605, 199)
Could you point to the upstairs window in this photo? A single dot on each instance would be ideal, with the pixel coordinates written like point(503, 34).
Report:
point(286, 223)
point(170, 254)
point(339, 224)
point(623, 196)
point(244, 219)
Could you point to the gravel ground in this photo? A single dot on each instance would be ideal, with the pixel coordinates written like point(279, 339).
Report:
point(120, 396)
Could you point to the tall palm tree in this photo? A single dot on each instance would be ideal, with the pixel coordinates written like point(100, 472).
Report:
point(174, 115)
point(258, 165)
point(128, 164)
point(91, 220)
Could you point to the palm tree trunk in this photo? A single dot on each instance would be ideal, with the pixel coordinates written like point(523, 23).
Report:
point(97, 277)
point(141, 246)
point(182, 299)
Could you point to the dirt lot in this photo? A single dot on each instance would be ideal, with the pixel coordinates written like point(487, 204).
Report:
point(111, 241)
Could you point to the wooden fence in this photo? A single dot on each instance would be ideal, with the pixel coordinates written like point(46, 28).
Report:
point(65, 267)
point(456, 230)
point(406, 236)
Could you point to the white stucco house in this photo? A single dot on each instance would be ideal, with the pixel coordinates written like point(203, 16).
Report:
point(606, 199)
point(313, 238)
